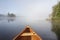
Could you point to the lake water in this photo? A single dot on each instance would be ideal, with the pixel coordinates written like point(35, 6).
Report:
point(10, 27)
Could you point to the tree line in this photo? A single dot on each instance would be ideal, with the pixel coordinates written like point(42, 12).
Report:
point(8, 15)
point(11, 15)
point(56, 11)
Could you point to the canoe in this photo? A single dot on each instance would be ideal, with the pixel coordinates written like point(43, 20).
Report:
point(27, 34)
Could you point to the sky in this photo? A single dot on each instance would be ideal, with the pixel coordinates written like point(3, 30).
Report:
point(28, 8)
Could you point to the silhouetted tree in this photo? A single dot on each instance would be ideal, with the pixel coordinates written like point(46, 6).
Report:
point(11, 15)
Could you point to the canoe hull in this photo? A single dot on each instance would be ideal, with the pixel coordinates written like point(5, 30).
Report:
point(27, 34)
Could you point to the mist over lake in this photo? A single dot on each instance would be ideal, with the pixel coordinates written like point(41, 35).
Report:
point(43, 16)
point(10, 27)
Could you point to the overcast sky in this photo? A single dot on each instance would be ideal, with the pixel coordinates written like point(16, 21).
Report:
point(28, 8)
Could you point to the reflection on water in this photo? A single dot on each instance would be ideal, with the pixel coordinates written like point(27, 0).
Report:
point(10, 27)
point(56, 28)
point(9, 19)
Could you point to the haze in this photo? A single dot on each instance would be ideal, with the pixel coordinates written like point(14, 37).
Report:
point(28, 8)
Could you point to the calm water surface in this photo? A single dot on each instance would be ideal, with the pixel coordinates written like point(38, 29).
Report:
point(10, 27)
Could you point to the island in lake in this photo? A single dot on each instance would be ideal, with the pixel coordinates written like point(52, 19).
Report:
point(8, 15)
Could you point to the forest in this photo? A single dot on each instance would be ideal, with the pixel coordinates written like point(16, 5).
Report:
point(56, 12)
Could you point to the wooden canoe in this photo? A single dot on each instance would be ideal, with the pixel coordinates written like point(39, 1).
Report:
point(27, 34)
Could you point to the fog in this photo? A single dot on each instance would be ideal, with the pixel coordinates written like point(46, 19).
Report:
point(37, 9)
